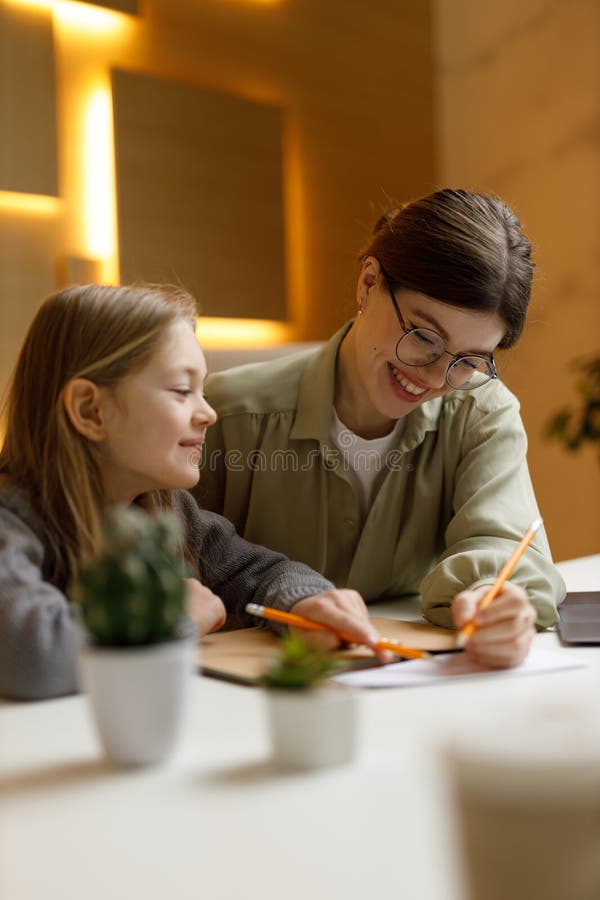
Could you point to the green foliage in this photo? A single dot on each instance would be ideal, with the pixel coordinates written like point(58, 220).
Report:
point(298, 666)
point(580, 423)
point(133, 592)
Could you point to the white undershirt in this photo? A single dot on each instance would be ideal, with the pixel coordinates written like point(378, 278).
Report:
point(364, 460)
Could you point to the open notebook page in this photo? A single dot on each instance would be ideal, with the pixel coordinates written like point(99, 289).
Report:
point(449, 666)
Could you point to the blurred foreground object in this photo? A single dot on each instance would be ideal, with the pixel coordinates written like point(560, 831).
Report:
point(137, 664)
point(527, 801)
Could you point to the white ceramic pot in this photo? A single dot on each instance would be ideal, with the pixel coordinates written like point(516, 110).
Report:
point(137, 696)
point(311, 728)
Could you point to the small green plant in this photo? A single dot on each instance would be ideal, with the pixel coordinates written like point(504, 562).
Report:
point(579, 424)
point(132, 593)
point(298, 666)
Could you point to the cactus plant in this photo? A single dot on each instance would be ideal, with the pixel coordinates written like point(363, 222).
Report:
point(298, 666)
point(310, 724)
point(132, 593)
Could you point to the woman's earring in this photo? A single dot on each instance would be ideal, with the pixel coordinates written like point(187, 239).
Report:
point(360, 309)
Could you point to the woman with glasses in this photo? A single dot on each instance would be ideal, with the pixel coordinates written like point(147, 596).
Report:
point(393, 460)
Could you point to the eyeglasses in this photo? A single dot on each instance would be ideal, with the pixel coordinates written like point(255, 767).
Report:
point(423, 346)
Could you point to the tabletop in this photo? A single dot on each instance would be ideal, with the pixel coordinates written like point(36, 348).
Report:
point(220, 821)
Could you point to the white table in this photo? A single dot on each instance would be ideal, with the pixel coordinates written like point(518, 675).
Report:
point(218, 822)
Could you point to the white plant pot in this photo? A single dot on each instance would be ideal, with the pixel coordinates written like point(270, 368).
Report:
point(137, 696)
point(312, 728)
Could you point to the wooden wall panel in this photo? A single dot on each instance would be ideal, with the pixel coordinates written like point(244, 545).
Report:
point(28, 160)
point(29, 248)
point(542, 154)
point(356, 84)
point(199, 194)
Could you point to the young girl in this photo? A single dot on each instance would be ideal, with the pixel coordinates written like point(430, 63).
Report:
point(393, 460)
point(106, 407)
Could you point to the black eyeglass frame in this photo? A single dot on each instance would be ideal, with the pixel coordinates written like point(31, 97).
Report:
point(456, 357)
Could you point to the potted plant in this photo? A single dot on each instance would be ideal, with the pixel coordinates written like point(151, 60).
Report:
point(312, 723)
point(137, 662)
point(580, 424)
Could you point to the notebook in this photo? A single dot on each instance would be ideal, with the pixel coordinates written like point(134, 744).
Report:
point(242, 656)
point(455, 667)
point(580, 618)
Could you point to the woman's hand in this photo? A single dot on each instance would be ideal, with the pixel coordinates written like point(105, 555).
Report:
point(505, 628)
point(341, 610)
point(203, 607)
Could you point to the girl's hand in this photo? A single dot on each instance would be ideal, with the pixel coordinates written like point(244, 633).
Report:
point(342, 610)
point(203, 607)
point(505, 628)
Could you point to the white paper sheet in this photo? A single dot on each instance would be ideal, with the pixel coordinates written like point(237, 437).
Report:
point(447, 666)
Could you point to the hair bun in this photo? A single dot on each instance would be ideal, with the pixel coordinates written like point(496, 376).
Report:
point(385, 219)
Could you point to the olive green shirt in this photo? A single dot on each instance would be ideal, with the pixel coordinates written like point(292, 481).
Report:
point(455, 500)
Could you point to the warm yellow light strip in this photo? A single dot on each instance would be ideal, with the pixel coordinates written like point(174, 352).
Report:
point(98, 176)
point(38, 204)
point(92, 18)
point(218, 332)
point(258, 2)
point(90, 178)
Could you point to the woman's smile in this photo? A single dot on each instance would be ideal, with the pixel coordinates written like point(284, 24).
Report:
point(193, 442)
point(405, 388)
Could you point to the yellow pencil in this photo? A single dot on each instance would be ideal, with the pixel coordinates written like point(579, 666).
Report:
point(470, 627)
point(277, 615)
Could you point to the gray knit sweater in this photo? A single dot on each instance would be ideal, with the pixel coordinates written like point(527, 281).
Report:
point(39, 635)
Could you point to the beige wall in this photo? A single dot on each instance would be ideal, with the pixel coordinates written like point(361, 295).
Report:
point(356, 87)
point(518, 114)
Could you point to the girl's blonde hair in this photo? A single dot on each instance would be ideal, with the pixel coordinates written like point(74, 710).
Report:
point(92, 331)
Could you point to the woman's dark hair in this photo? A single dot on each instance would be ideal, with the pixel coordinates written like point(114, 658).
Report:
point(461, 248)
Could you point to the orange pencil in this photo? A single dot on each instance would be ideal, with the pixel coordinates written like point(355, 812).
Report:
point(277, 615)
point(470, 627)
